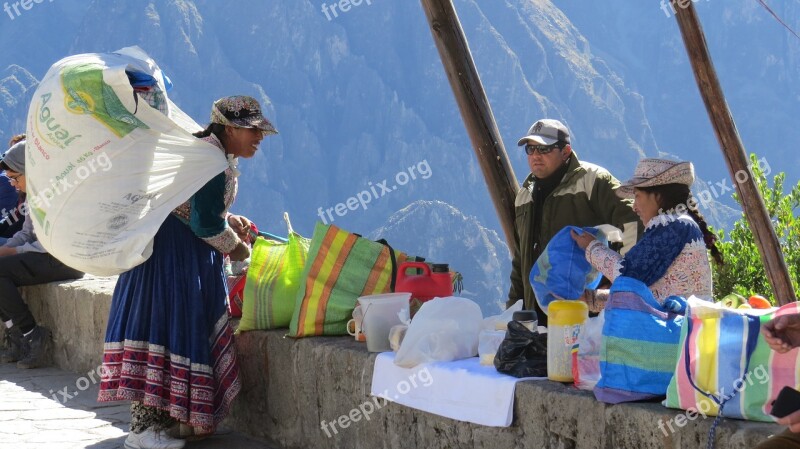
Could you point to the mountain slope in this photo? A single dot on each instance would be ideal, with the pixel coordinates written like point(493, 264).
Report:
point(361, 100)
point(428, 229)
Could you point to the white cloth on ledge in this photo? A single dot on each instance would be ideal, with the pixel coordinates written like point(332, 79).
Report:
point(463, 389)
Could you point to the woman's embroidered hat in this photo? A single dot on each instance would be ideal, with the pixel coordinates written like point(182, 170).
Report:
point(657, 172)
point(241, 112)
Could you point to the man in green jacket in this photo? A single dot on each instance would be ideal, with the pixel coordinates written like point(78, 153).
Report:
point(560, 191)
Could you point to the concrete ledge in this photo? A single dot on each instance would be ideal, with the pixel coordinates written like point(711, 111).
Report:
point(289, 386)
point(77, 312)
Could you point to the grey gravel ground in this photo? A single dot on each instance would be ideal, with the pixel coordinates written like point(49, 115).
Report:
point(52, 409)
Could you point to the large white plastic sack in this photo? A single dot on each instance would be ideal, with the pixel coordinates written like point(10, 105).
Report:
point(443, 329)
point(104, 170)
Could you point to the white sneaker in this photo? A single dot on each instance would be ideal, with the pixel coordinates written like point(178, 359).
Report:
point(150, 439)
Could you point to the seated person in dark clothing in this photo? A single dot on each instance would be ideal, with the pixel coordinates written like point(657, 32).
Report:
point(11, 220)
point(23, 261)
point(10, 217)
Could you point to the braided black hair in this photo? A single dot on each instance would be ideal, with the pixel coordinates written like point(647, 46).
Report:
point(708, 237)
point(213, 128)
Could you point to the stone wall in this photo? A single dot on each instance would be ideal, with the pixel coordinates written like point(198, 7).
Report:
point(290, 386)
point(76, 312)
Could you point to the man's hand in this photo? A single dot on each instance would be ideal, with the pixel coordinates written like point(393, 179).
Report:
point(782, 335)
point(240, 225)
point(7, 251)
point(792, 420)
point(583, 240)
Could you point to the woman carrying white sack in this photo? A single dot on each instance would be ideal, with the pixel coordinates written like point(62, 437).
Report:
point(671, 258)
point(169, 344)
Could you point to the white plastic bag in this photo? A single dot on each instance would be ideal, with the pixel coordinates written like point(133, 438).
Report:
point(612, 233)
point(500, 322)
point(396, 335)
point(488, 344)
point(104, 169)
point(589, 342)
point(443, 329)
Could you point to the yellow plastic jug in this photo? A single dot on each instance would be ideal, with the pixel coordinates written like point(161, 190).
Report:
point(564, 322)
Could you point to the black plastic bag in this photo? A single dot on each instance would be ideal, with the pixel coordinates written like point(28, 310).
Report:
point(522, 353)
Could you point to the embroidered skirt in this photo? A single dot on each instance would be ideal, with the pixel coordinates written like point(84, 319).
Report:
point(168, 342)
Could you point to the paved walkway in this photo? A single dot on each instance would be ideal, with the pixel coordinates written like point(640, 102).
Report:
point(53, 409)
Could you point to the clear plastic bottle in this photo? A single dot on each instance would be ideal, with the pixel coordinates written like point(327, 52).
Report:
point(527, 318)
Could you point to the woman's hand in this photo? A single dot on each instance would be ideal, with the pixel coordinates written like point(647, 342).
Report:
point(7, 251)
point(782, 334)
point(595, 299)
point(241, 226)
point(241, 252)
point(583, 240)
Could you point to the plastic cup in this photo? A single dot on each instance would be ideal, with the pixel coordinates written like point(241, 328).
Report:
point(354, 325)
point(381, 312)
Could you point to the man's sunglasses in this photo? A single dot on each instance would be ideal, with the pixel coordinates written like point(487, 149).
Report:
point(542, 149)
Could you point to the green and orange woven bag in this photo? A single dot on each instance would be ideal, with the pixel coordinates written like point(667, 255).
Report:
point(341, 266)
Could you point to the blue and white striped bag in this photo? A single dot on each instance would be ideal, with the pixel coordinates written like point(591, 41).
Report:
point(641, 343)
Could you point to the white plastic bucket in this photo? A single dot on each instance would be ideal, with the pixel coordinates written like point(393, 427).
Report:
point(381, 312)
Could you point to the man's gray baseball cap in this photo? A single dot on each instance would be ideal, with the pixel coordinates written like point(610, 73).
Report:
point(546, 132)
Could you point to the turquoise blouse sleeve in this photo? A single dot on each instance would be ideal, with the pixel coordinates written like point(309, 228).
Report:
point(208, 218)
point(208, 209)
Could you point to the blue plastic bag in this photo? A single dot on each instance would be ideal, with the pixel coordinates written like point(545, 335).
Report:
point(562, 271)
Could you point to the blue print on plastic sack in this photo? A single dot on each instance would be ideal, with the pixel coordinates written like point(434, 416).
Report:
point(562, 271)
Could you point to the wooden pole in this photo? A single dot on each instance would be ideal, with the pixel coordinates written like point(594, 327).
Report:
point(733, 151)
point(475, 111)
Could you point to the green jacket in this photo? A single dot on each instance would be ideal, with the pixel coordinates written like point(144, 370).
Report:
point(585, 197)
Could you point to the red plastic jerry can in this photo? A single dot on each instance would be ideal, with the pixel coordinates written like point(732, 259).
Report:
point(426, 286)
